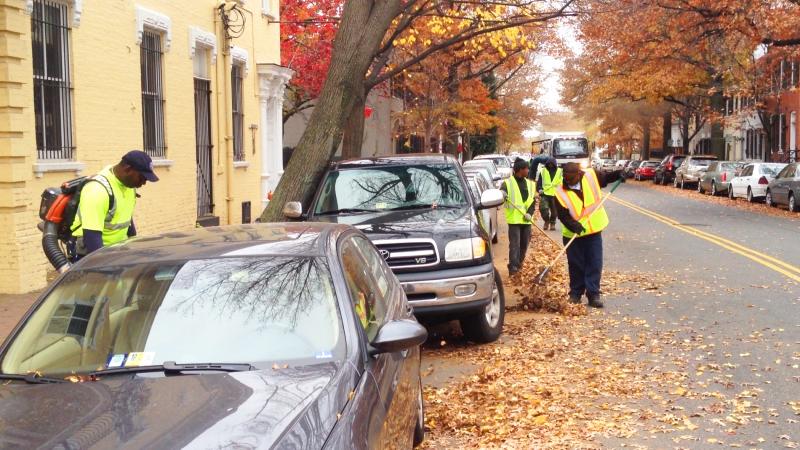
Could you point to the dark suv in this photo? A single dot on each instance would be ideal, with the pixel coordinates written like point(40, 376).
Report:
point(418, 211)
point(665, 172)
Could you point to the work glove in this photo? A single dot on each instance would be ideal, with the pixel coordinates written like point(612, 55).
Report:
point(527, 217)
point(541, 192)
point(579, 230)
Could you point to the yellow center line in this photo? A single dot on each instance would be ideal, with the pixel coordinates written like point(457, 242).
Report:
point(784, 268)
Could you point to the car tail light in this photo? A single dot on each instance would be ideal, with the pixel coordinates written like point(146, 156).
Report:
point(763, 180)
point(669, 166)
point(724, 176)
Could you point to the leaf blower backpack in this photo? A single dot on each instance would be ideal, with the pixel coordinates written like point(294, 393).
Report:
point(58, 209)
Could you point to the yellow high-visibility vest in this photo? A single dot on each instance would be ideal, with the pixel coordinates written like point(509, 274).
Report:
point(590, 213)
point(549, 185)
point(513, 214)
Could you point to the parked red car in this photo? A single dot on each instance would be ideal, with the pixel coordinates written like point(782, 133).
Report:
point(646, 171)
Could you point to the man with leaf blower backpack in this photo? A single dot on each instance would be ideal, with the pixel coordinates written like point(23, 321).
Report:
point(579, 208)
point(88, 213)
point(105, 211)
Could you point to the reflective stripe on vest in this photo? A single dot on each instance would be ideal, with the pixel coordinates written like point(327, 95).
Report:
point(513, 215)
point(570, 200)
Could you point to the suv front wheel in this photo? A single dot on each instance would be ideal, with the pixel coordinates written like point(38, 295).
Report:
point(487, 325)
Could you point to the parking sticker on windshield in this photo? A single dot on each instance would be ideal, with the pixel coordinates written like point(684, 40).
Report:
point(136, 359)
point(116, 360)
point(381, 205)
point(324, 355)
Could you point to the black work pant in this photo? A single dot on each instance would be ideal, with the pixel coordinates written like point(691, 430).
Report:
point(547, 207)
point(519, 236)
point(585, 260)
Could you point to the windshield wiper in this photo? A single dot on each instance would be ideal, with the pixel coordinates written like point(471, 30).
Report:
point(424, 206)
point(345, 211)
point(172, 368)
point(31, 378)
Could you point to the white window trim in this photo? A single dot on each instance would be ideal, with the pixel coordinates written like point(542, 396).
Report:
point(241, 164)
point(205, 39)
point(240, 56)
point(75, 6)
point(44, 166)
point(152, 20)
point(268, 9)
point(163, 162)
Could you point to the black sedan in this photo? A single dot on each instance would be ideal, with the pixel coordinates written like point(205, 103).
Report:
point(252, 336)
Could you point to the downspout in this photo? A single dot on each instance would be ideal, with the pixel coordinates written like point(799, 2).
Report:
point(226, 71)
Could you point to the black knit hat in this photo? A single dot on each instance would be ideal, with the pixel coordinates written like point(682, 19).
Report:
point(519, 164)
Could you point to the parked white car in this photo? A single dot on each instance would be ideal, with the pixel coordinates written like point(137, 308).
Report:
point(478, 183)
point(753, 180)
point(501, 161)
point(488, 164)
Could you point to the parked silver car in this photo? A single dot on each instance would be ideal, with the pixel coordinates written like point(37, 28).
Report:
point(753, 180)
point(717, 179)
point(501, 161)
point(691, 170)
point(478, 184)
point(785, 188)
point(497, 177)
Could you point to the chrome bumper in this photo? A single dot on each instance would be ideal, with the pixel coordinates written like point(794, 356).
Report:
point(430, 294)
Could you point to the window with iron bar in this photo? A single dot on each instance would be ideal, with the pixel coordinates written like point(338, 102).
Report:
point(52, 86)
point(153, 95)
point(237, 76)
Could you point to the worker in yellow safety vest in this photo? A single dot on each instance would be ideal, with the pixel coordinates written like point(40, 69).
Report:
point(580, 212)
point(520, 193)
point(550, 176)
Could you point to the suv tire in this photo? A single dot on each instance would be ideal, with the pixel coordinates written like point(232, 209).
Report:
point(714, 191)
point(675, 182)
point(768, 199)
point(793, 203)
point(487, 325)
point(750, 197)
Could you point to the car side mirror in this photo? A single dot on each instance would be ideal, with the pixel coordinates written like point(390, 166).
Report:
point(293, 210)
point(398, 335)
point(491, 198)
point(497, 177)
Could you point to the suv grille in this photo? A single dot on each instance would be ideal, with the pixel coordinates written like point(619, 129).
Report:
point(405, 253)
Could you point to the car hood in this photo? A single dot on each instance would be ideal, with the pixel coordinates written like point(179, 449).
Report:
point(407, 224)
point(293, 407)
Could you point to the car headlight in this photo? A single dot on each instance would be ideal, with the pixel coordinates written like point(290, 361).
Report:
point(465, 249)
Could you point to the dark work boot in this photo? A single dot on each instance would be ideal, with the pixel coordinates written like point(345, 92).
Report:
point(574, 299)
point(594, 301)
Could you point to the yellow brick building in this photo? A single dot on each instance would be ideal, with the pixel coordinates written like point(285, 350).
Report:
point(195, 84)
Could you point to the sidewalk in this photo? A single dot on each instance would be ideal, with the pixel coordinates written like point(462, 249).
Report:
point(12, 307)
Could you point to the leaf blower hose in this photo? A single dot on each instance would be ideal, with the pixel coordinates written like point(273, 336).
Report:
point(52, 248)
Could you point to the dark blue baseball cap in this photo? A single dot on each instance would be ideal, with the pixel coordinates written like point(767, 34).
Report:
point(142, 163)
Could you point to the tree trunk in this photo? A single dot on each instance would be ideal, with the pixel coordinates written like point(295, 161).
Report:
point(686, 138)
point(646, 124)
point(362, 28)
point(717, 131)
point(353, 140)
point(667, 131)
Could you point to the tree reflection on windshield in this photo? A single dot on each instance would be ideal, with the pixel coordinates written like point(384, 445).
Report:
point(391, 187)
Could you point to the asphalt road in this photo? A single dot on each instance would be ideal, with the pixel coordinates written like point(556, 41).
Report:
point(732, 305)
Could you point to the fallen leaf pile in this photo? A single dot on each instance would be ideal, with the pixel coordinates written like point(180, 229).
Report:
point(740, 203)
point(555, 386)
point(552, 294)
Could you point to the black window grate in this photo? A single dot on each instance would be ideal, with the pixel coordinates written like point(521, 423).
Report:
point(153, 95)
point(237, 77)
point(52, 86)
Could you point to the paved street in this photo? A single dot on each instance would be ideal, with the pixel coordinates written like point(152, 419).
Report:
point(718, 341)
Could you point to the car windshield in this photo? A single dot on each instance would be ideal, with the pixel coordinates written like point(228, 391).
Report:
point(727, 166)
point(570, 147)
point(255, 310)
point(771, 170)
point(500, 162)
point(701, 162)
point(391, 188)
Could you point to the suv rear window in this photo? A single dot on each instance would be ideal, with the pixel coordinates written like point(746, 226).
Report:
point(391, 188)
